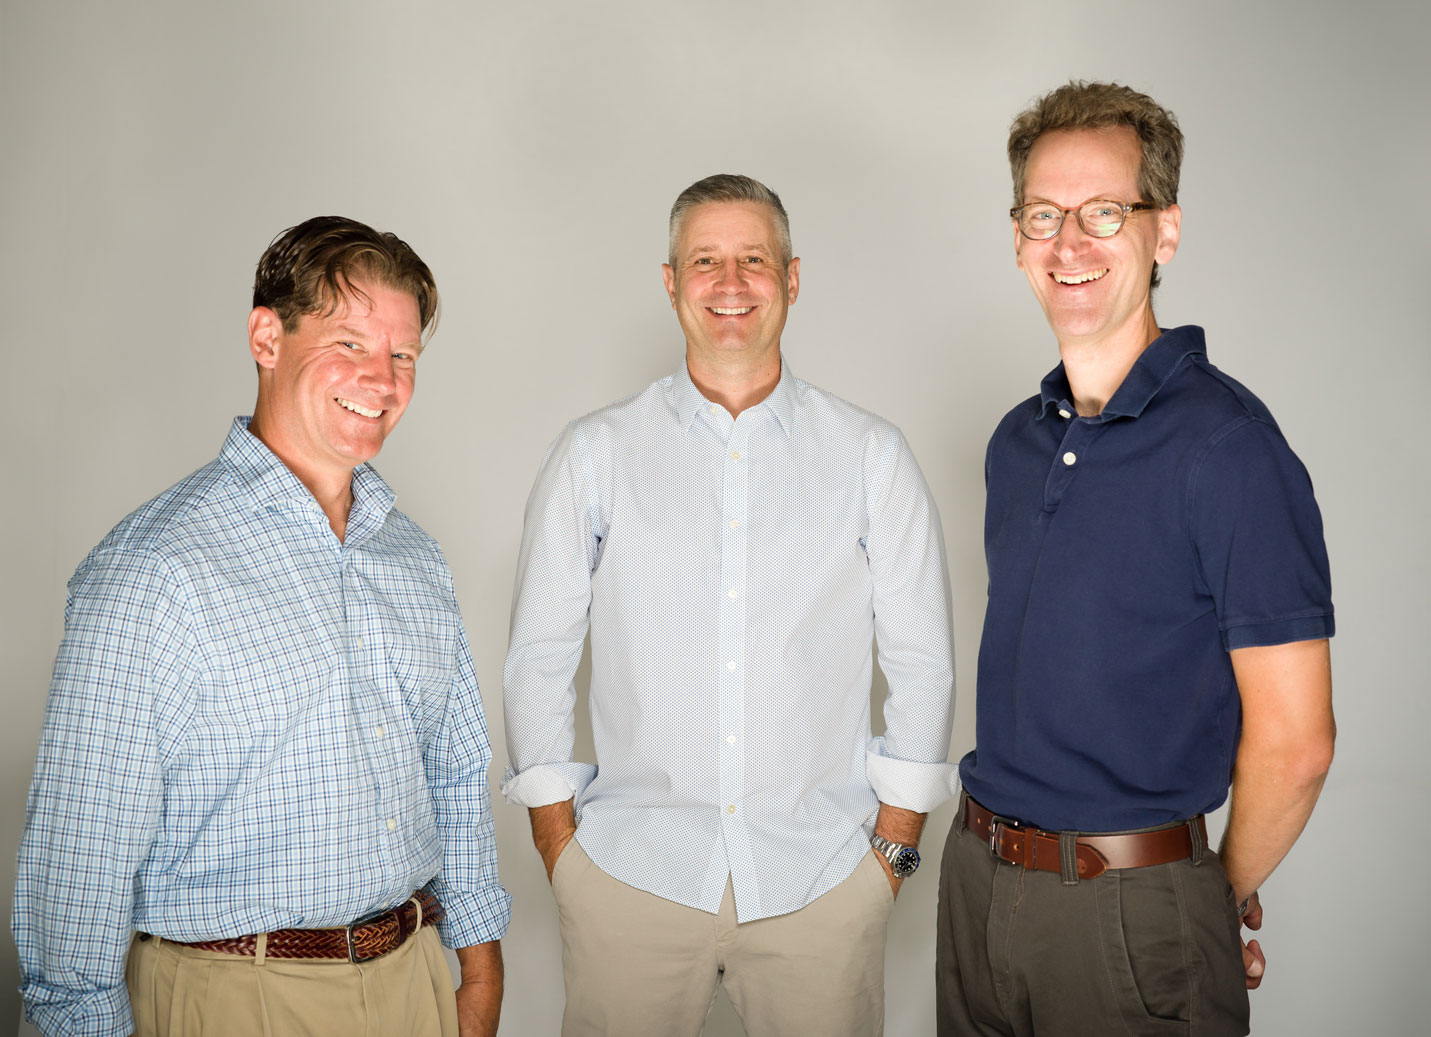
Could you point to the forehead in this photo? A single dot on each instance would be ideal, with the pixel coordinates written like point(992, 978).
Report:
point(1068, 167)
point(375, 307)
point(723, 225)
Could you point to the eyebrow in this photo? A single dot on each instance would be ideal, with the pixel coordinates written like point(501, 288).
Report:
point(699, 250)
point(348, 331)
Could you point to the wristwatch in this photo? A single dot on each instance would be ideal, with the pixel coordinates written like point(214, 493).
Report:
point(903, 860)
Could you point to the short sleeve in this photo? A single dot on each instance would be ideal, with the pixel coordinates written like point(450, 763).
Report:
point(1257, 532)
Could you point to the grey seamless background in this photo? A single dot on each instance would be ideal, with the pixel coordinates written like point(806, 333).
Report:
point(150, 151)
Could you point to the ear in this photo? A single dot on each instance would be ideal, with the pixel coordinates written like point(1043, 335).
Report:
point(1018, 248)
point(1170, 228)
point(669, 277)
point(264, 332)
point(792, 281)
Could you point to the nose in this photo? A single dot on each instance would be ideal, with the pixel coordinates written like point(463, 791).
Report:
point(378, 374)
point(1071, 240)
point(731, 278)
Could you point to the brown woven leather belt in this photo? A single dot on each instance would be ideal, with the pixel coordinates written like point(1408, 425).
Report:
point(362, 941)
point(1037, 849)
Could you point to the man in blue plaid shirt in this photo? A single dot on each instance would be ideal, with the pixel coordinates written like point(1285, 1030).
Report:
point(260, 801)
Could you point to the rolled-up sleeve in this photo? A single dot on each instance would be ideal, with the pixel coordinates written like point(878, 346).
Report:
point(551, 610)
point(477, 909)
point(907, 765)
point(94, 804)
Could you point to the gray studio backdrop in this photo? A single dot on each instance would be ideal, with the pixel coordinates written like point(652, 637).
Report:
point(148, 152)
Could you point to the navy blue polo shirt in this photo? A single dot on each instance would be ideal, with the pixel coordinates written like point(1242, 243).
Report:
point(1128, 553)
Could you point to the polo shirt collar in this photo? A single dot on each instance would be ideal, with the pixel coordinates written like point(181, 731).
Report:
point(1150, 372)
point(780, 402)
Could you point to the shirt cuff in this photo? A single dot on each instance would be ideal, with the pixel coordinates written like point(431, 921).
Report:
point(547, 783)
point(472, 918)
point(906, 784)
point(101, 1013)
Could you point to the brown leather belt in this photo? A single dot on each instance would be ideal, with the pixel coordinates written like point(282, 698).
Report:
point(362, 941)
point(1037, 849)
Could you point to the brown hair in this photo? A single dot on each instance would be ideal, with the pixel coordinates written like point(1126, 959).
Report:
point(1080, 105)
point(310, 269)
point(730, 187)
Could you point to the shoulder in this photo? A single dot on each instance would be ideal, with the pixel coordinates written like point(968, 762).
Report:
point(626, 414)
point(165, 527)
point(831, 416)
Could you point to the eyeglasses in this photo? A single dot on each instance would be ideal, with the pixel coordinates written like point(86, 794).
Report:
point(1098, 218)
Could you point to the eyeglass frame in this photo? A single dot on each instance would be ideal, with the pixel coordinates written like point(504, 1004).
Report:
point(1128, 209)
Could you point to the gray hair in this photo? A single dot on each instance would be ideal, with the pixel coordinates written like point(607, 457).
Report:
point(730, 187)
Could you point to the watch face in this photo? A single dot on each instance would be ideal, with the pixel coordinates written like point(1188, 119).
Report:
point(905, 863)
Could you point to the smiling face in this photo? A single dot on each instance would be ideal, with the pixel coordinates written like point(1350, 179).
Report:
point(729, 286)
point(1094, 290)
point(332, 389)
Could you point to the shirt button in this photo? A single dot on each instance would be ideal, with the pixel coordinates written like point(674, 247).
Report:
point(359, 640)
point(392, 824)
point(735, 455)
point(730, 739)
point(715, 409)
point(1069, 458)
point(380, 731)
point(734, 524)
point(730, 809)
point(731, 593)
point(730, 665)
point(1063, 413)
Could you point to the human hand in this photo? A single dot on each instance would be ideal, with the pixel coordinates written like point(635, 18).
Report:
point(894, 882)
point(553, 848)
point(1254, 962)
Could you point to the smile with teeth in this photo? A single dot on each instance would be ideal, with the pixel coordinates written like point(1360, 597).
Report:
point(357, 409)
point(1091, 275)
point(731, 311)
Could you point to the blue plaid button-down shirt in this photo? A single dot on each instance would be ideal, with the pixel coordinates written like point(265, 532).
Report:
point(251, 726)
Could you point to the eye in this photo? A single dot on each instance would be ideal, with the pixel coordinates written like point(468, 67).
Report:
point(353, 346)
point(755, 259)
point(405, 358)
point(704, 261)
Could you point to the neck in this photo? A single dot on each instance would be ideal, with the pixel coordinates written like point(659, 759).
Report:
point(332, 490)
point(736, 383)
point(1096, 367)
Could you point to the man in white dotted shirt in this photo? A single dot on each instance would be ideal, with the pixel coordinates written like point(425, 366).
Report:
point(734, 539)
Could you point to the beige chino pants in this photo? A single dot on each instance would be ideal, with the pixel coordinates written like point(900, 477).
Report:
point(641, 966)
point(179, 991)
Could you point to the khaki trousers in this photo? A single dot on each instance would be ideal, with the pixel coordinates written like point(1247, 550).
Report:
point(636, 964)
point(179, 991)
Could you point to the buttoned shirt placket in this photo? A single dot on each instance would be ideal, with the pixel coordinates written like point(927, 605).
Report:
point(731, 675)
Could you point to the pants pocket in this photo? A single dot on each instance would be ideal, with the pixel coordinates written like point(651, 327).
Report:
point(1145, 950)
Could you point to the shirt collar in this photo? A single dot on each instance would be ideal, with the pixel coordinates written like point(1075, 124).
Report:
point(780, 402)
point(1150, 372)
point(269, 481)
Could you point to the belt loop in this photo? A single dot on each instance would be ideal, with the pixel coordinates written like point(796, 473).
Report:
point(260, 950)
point(1068, 857)
point(1198, 840)
point(417, 900)
point(961, 816)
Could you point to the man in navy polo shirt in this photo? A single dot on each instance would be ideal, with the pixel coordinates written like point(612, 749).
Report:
point(1159, 608)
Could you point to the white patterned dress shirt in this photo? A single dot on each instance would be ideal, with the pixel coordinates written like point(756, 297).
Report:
point(734, 574)
point(251, 727)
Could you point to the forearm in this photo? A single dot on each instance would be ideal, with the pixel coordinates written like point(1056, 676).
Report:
point(552, 828)
point(1271, 802)
point(899, 825)
point(1282, 759)
point(479, 997)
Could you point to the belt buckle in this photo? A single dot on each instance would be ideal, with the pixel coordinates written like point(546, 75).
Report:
point(996, 822)
point(353, 955)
